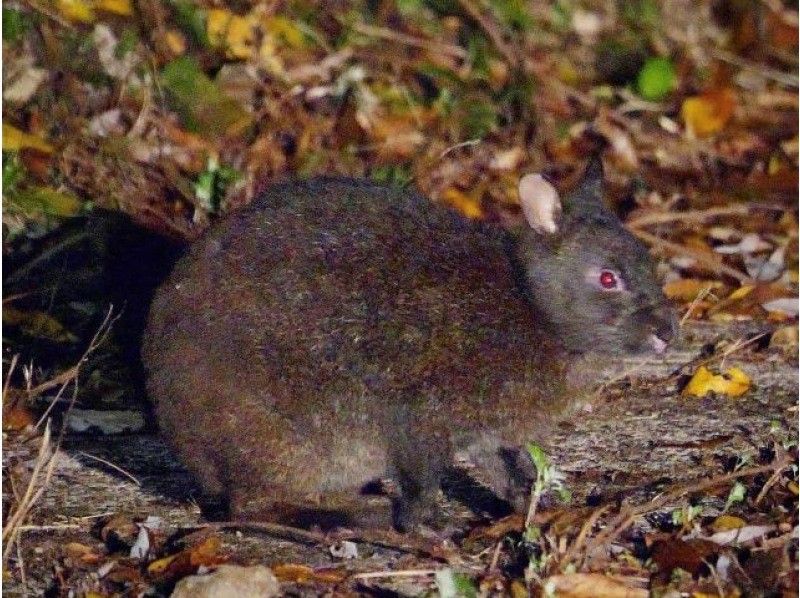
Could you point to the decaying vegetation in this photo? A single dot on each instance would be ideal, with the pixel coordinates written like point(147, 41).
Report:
point(176, 112)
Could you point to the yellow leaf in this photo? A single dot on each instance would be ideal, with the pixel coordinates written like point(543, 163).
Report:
point(76, 10)
point(466, 204)
point(14, 139)
point(732, 383)
point(724, 523)
point(38, 200)
point(743, 291)
point(688, 289)
point(38, 324)
point(708, 113)
point(176, 42)
point(283, 28)
point(231, 32)
point(118, 7)
point(160, 565)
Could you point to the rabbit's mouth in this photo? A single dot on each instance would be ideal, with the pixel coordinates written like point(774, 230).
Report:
point(658, 344)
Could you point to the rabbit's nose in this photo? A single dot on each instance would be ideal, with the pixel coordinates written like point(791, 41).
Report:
point(665, 325)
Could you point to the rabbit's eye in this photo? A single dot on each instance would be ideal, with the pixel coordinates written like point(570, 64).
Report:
point(608, 280)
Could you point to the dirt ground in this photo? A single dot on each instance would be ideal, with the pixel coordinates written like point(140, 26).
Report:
point(642, 439)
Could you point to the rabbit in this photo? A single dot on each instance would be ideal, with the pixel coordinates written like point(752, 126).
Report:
point(336, 332)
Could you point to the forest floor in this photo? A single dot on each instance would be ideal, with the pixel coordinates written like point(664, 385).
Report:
point(174, 113)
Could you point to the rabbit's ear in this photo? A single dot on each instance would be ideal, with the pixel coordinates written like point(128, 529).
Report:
point(540, 203)
point(589, 190)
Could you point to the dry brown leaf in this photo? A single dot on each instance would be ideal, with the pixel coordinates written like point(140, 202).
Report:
point(708, 113)
point(591, 585)
point(295, 573)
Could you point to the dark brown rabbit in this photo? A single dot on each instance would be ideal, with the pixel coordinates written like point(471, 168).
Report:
point(337, 331)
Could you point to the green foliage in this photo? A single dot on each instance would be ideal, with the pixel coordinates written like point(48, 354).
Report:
point(204, 107)
point(452, 584)
point(396, 175)
point(736, 495)
point(562, 16)
point(548, 477)
point(44, 200)
point(513, 13)
point(479, 118)
point(13, 172)
point(192, 19)
point(127, 43)
point(686, 515)
point(656, 79)
point(641, 14)
point(211, 185)
point(16, 24)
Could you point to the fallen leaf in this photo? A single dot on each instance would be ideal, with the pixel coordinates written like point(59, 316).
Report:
point(689, 555)
point(304, 574)
point(21, 88)
point(233, 33)
point(733, 383)
point(76, 10)
point(591, 585)
point(727, 522)
point(186, 562)
point(708, 113)
point(688, 289)
point(117, 7)
point(785, 339)
point(742, 535)
point(17, 417)
point(205, 109)
point(38, 324)
point(469, 205)
point(15, 140)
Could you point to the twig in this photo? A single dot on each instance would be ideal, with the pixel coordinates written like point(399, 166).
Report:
point(581, 538)
point(112, 466)
point(511, 56)
point(700, 296)
point(700, 256)
point(495, 556)
point(452, 148)
point(629, 514)
point(777, 542)
point(373, 537)
point(410, 40)
point(71, 375)
point(47, 456)
point(400, 573)
point(692, 215)
point(760, 69)
point(49, 528)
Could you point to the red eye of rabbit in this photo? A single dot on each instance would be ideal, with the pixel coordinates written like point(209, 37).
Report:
point(608, 280)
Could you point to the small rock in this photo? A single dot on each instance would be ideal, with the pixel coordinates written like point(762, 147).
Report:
point(230, 581)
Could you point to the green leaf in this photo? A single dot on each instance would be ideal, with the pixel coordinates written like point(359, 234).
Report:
point(202, 105)
point(396, 175)
point(127, 42)
point(513, 13)
point(212, 184)
point(45, 200)
point(13, 172)
point(737, 494)
point(656, 79)
point(452, 584)
point(192, 19)
point(15, 24)
point(539, 457)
